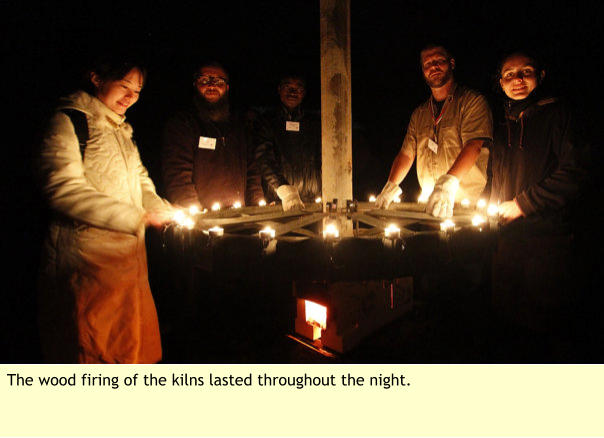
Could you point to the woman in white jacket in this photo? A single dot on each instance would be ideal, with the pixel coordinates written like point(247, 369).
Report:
point(95, 304)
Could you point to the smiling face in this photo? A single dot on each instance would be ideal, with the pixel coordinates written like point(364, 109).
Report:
point(437, 66)
point(519, 77)
point(119, 94)
point(291, 92)
point(212, 83)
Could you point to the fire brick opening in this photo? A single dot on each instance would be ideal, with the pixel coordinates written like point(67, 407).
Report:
point(316, 315)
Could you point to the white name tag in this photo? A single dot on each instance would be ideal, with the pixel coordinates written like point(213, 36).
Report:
point(207, 143)
point(292, 126)
point(432, 146)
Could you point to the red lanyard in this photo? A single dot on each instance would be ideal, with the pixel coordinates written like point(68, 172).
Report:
point(436, 120)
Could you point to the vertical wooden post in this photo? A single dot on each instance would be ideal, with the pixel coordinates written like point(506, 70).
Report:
point(336, 113)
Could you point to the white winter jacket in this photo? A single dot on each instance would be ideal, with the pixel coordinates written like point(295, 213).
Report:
point(95, 304)
point(110, 188)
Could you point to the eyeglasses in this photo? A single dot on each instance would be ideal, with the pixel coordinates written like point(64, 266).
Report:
point(204, 80)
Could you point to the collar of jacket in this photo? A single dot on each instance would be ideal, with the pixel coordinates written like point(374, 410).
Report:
point(519, 109)
point(452, 91)
point(99, 113)
point(294, 115)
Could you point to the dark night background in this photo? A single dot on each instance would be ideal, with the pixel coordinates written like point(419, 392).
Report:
point(45, 45)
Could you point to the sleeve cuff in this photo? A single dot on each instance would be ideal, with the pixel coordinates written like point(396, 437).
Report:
point(524, 204)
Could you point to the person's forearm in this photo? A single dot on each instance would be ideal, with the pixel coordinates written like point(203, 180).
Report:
point(400, 167)
point(466, 159)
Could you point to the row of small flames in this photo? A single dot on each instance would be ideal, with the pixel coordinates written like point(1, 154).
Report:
point(186, 219)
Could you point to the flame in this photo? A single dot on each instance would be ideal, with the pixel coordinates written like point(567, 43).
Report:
point(184, 220)
point(397, 199)
point(316, 315)
point(189, 223)
point(493, 210)
point(215, 206)
point(482, 203)
point(217, 231)
point(447, 225)
point(331, 230)
point(193, 210)
point(465, 202)
point(318, 200)
point(237, 204)
point(179, 217)
point(267, 232)
point(392, 231)
point(372, 198)
point(262, 203)
point(478, 220)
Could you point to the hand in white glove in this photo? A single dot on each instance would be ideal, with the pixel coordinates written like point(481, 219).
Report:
point(290, 198)
point(442, 199)
point(389, 192)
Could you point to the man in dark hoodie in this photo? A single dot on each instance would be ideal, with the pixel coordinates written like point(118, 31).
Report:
point(207, 149)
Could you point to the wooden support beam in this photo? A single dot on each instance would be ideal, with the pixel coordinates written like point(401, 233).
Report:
point(244, 219)
point(336, 111)
point(251, 211)
point(380, 224)
point(407, 206)
point(298, 223)
point(369, 220)
point(404, 215)
point(302, 231)
point(418, 216)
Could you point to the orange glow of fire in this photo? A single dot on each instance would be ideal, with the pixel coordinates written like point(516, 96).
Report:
point(316, 315)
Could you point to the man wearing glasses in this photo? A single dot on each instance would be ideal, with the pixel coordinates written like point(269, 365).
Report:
point(288, 149)
point(207, 148)
point(446, 134)
point(207, 160)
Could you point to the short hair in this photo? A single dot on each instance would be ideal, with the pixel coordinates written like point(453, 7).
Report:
point(435, 46)
point(527, 54)
point(210, 63)
point(292, 75)
point(111, 68)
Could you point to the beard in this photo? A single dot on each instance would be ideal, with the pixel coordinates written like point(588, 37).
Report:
point(216, 111)
point(439, 81)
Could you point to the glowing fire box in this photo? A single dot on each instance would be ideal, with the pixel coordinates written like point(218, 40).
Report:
point(338, 315)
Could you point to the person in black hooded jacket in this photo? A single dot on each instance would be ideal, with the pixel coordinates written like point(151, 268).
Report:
point(288, 147)
point(535, 170)
point(536, 176)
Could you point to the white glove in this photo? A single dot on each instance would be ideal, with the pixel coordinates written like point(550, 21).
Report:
point(290, 198)
point(442, 199)
point(389, 192)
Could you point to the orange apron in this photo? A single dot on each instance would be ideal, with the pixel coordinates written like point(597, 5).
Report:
point(96, 305)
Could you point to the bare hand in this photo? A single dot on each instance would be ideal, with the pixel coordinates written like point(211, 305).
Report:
point(157, 218)
point(509, 211)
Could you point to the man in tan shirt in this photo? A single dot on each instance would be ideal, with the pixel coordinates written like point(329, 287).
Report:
point(446, 134)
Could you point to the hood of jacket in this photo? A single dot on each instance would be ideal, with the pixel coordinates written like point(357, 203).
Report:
point(521, 110)
point(98, 113)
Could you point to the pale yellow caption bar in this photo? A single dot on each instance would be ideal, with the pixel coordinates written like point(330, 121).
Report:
point(422, 400)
